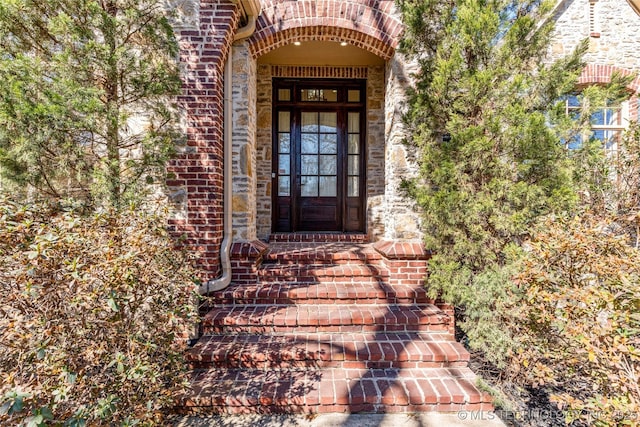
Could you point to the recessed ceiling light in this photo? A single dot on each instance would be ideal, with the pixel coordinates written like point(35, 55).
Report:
point(297, 43)
point(343, 43)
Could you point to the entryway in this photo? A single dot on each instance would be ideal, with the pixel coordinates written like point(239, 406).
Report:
point(318, 163)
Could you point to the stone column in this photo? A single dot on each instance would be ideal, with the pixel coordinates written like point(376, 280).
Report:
point(402, 220)
point(244, 143)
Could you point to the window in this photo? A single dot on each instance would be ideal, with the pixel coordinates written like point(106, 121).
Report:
point(607, 124)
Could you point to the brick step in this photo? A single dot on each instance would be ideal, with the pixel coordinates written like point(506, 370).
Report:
point(318, 237)
point(259, 319)
point(290, 351)
point(362, 291)
point(322, 253)
point(323, 272)
point(239, 391)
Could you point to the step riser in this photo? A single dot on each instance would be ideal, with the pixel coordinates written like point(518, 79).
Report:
point(306, 409)
point(275, 364)
point(234, 330)
point(295, 300)
point(303, 260)
point(329, 327)
point(316, 391)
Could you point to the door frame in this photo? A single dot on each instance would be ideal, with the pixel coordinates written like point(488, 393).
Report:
point(351, 210)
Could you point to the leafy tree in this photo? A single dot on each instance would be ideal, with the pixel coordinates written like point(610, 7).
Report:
point(84, 90)
point(536, 243)
point(579, 321)
point(95, 311)
point(488, 118)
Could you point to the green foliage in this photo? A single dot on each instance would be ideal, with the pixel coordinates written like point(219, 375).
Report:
point(580, 321)
point(84, 91)
point(491, 159)
point(94, 316)
point(552, 302)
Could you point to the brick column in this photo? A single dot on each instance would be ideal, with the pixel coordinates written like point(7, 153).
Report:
point(196, 174)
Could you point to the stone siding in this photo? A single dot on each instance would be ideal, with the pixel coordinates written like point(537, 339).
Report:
point(402, 221)
point(264, 151)
point(614, 35)
point(244, 143)
point(612, 28)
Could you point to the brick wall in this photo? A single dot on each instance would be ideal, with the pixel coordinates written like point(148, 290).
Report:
point(196, 175)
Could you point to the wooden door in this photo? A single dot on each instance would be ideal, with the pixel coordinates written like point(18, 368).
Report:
point(318, 159)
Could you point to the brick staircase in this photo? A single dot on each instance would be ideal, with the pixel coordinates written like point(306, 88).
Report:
point(322, 330)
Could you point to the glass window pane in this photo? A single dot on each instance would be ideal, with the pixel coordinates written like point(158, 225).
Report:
point(319, 95)
point(597, 118)
point(284, 186)
point(328, 122)
point(573, 101)
point(354, 122)
point(354, 144)
point(354, 165)
point(284, 143)
point(599, 134)
point(329, 143)
point(353, 95)
point(352, 186)
point(309, 186)
point(330, 95)
point(309, 143)
point(284, 164)
point(309, 165)
point(328, 165)
point(309, 122)
point(613, 137)
point(284, 121)
point(614, 117)
point(328, 186)
point(284, 94)
point(575, 143)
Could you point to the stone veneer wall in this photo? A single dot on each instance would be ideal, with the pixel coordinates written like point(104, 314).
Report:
point(244, 143)
point(264, 151)
point(402, 221)
point(614, 36)
point(613, 30)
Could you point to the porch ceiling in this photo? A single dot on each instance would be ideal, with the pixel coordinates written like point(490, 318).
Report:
point(320, 53)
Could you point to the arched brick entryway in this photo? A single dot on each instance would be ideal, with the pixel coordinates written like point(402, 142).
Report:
point(195, 175)
point(370, 25)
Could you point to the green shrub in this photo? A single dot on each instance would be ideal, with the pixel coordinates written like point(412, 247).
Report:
point(94, 316)
point(580, 326)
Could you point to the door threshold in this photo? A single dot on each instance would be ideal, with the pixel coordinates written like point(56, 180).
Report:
point(319, 236)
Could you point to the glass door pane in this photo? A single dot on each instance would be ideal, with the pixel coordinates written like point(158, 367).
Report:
point(284, 153)
point(353, 154)
point(318, 154)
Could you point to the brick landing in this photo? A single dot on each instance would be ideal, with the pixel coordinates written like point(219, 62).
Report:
point(330, 326)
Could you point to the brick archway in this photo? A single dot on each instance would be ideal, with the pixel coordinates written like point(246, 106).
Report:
point(370, 25)
point(598, 74)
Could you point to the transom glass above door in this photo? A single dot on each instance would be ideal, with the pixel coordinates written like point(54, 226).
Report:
point(318, 161)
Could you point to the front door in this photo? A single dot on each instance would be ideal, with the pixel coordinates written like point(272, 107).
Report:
point(318, 162)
